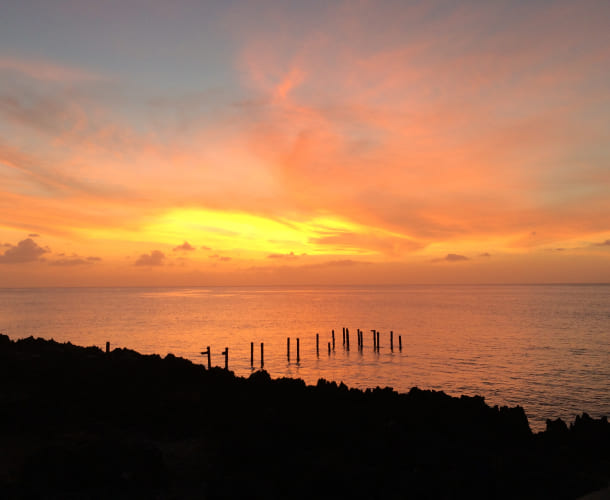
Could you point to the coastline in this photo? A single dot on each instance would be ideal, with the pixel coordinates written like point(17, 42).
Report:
point(79, 422)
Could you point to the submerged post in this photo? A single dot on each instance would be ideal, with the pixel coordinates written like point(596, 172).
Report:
point(400, 343)
point(225, 353)
point(288, 348)
point(251, 353)
point(107, 347)
point(262, 354)
point(298, 350)
point(318, 344)
point(391, 341)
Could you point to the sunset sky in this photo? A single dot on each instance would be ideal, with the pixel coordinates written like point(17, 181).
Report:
point(310, 142)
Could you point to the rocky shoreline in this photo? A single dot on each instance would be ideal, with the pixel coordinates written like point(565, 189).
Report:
point(81, 423)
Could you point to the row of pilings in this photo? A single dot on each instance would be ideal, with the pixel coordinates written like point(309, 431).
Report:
point(331, 347)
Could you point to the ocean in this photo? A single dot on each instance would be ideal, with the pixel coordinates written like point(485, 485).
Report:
point(543, 347)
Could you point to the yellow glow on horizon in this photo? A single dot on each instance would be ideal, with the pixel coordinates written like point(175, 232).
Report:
point(248, 234)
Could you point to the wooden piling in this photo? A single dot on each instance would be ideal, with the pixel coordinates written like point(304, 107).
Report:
point(298, 350)
point(225, 353)
point(391, 341)
point(400, 343)
point(329, 348)
point(288, 349)
point(347, 338)
point(343, 335)
point(374, 340)
point(207, 352)
point(318, 344)
point(262, 354)
point(107, 347)
point(251, 353)
point(333, 334)
point(378, 341)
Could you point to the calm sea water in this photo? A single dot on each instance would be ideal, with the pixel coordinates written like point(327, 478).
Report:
point(546, 348)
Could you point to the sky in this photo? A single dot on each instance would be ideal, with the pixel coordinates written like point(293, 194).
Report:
point(194, 143)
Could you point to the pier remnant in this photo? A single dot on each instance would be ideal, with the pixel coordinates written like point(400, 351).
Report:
point(318, 344)
point(262, 354)
point(225, 353)
point(208, 354)
point(298, 350)
point(288, 348)
point(251, 353)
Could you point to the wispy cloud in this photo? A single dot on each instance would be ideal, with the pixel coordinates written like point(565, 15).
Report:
point(221, 258)
point(283, 256)
point(45, 70)
point(70, 262)
point(452, 257)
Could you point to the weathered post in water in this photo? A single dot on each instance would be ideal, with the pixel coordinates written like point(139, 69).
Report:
point(333, 334)
point(251, 353)
point(343, 336)
point(347, 338)
point(207, 352)
point(262, 354)
point(329, 348)
point(391, 341)
point(374, 340)
point(288, 348)
point(318, 344)
point(377, 341)
point(400, 343)
point(298, 350)
point(225, 353)
point(107, 347)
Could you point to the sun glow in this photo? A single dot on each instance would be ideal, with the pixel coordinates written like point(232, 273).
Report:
point(251, 235)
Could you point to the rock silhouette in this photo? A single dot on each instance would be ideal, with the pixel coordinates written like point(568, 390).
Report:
point(79, 423)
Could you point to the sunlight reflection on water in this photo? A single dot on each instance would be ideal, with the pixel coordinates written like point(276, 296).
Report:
point(543, 347)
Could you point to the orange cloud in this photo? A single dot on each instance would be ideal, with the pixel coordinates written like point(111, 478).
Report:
point(186, 246)
point(416, 130)
point(25, 251)
point(155, 258)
